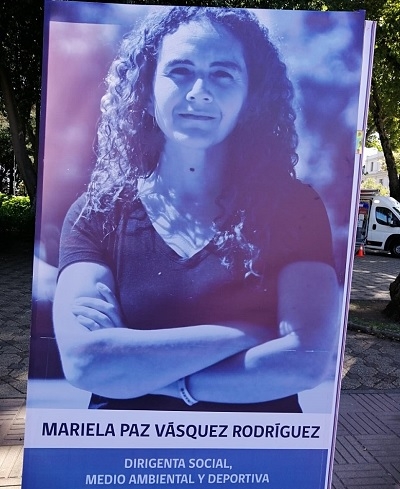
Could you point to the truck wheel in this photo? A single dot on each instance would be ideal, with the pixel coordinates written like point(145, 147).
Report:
point(395, 249)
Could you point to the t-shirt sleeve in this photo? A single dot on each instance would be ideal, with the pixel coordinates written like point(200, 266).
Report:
point(82, 238)
point(302, 230)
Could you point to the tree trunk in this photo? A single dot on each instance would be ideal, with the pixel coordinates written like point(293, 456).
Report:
point(392, 310)
point(11, 184)
point(17, 135)
point(377, 113)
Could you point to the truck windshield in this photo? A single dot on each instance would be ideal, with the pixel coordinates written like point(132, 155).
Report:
point(396, 210)
point(386, 217)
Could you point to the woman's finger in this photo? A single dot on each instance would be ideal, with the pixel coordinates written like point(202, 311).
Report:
point(93, 315)
point(107, 294)
point(88, 323)
point(111, 299)
point(285, 328)
point(102, 306)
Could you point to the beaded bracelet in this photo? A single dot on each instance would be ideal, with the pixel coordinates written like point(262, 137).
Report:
point(185, 394)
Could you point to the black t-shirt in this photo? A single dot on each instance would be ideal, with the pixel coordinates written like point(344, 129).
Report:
point(158, 289)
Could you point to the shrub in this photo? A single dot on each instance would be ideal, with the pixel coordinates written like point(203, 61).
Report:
point(16, 215)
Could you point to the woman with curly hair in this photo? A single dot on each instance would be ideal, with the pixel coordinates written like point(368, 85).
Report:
point(190, 274)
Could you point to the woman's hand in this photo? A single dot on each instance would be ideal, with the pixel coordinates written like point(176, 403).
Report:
point(94, 313)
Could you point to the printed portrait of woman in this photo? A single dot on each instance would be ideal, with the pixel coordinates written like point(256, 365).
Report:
point(197, 272)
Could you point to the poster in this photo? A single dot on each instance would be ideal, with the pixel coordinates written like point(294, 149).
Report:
point(194, 239)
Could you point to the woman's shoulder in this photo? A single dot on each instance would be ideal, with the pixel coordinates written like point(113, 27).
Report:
point(82, 209)
point(77, 206)
point(80, 218)
point(296, 196)
point(297, 188)
point(302, 228)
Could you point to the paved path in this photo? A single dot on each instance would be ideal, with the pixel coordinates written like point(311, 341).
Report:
point(372, 275)
point(368, 438)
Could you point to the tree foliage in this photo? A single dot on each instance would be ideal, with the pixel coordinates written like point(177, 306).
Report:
point(16, 215)
point(384, 117)
point(370, 183)
point(7, 160)
point(20, 68)
point(385, 94)
point(21, 27)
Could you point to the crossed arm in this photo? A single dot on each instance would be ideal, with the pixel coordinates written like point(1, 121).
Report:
point(222, 362)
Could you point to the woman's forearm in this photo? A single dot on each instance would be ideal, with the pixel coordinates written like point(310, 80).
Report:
point(124, 363)
point(266, 372)
point(298, 360)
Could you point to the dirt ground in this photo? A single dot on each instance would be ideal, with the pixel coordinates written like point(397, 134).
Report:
point(369, 313)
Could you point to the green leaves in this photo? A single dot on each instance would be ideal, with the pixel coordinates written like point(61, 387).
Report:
point(16, 214)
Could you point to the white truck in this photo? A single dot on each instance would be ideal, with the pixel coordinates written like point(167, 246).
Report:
point(378, 226)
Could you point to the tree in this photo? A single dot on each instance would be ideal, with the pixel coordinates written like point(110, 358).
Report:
point(384, 116)
point(370, 183)
point(20, 68)
point(385, 87)
point(7, 161)
point(21, 25)
point(385, 94)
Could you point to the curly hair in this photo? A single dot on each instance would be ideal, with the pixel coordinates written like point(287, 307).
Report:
point(262, 147)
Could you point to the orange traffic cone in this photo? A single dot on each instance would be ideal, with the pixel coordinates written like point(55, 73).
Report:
point(360, 251)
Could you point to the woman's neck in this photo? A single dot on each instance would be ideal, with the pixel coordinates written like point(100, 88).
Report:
point(181, 198)
point(193, 175)
point(185, 187)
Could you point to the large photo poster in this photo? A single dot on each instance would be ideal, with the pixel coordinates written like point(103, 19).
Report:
point(194, 241)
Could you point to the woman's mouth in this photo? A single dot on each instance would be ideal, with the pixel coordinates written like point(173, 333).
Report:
point(197, 117)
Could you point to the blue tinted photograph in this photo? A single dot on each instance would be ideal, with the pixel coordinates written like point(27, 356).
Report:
point(195, 256)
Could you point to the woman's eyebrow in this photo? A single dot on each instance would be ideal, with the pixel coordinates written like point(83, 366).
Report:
point(231, 65)
point(175, 62)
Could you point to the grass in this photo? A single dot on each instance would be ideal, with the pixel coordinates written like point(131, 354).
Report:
point(368, 316)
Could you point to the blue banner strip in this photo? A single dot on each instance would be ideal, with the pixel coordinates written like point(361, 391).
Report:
point(79, 468)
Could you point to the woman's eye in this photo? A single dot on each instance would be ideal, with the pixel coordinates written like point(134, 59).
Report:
point(222, 75)
point(180, 71)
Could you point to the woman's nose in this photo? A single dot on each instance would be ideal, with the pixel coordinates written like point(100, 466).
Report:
point(199, 92)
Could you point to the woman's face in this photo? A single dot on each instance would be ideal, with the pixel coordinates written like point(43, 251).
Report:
point(200, 85)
